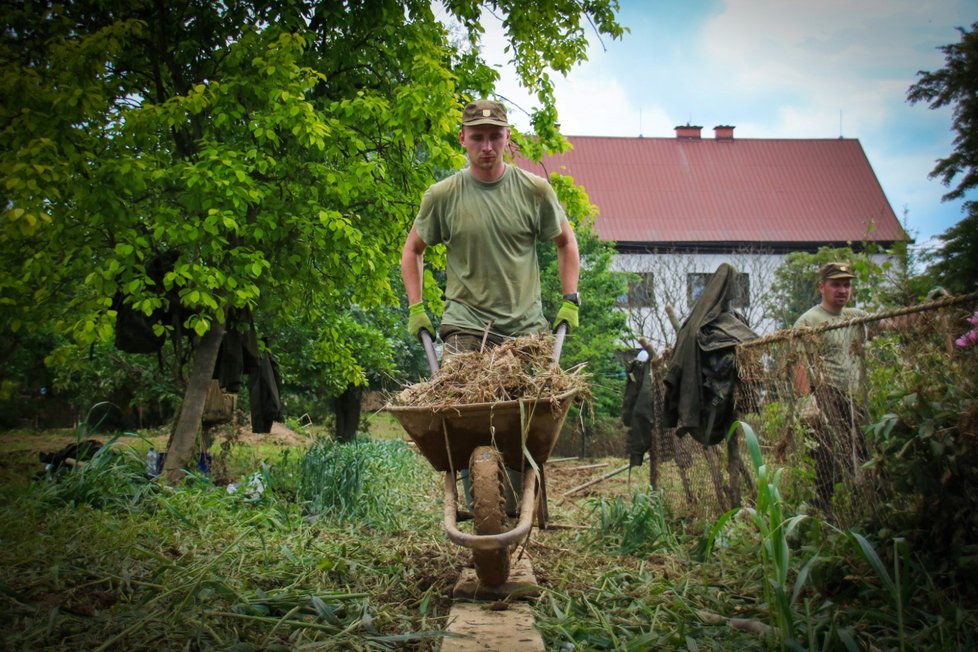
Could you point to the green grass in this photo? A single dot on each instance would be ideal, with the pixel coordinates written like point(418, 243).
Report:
point(198, 566)
point(635, 528)
point(382, 425)
point(344, 549)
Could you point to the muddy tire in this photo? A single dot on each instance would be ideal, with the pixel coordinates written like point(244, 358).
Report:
point(487, 474)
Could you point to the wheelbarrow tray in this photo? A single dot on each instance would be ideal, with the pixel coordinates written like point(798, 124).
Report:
point(447, 435)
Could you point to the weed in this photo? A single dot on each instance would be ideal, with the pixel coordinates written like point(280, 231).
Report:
point(115, 476)
point(774, 554)
point(354, 481)
point(638, 528)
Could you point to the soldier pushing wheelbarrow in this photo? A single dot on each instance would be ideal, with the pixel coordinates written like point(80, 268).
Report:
point(492, 418)
point(490, 217)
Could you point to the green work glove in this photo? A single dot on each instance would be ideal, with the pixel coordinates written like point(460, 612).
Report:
point(568, 313)
point(418, 319)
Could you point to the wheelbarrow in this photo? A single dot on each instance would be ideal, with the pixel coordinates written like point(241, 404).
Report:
point(485, 438)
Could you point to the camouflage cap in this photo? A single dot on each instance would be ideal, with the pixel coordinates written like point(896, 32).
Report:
point(484, 112)
point(831, 271)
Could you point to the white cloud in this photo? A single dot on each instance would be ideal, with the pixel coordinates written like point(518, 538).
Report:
point(586, 100)
point(775, 69)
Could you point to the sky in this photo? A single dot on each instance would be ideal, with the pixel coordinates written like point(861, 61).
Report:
point(773, 69)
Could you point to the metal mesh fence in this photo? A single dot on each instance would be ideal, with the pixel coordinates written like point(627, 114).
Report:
point(819, 434)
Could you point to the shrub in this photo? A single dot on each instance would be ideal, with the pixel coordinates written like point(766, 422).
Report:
point(929, 457)
point(114, 477)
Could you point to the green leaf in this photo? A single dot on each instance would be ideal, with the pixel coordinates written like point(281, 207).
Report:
point(869, 554)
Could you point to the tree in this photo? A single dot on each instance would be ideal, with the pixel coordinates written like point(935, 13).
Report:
point(313, 385)
point(279, 150)
point(603, 328)
point(956, 85)
point(955, 263)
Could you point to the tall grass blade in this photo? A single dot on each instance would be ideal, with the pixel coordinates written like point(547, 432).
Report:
point(892, 587)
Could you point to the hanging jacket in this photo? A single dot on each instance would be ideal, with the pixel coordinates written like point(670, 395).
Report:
point(239, 353)
point(264, 387)
point(134, 328)
point(637, 410)
point(702, 373)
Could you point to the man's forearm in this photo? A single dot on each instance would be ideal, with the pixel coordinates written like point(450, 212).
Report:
point(411, 272)
point(568, 261)
point(412, 267)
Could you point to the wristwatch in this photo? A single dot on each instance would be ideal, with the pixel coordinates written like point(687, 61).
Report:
point(573, 297)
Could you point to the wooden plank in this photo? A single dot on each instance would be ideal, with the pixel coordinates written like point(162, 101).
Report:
point(522, 583)
point(480, 626)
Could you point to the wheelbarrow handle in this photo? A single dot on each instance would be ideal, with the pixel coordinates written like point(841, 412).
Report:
point(429, 350)
point(559, 334)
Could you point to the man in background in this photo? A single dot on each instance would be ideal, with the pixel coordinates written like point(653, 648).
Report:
point(829, 391)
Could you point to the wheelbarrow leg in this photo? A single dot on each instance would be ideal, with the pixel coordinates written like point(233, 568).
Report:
point(490, 552)
point(543, 513)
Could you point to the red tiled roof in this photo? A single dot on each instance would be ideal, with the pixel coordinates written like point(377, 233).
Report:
point(775, 191)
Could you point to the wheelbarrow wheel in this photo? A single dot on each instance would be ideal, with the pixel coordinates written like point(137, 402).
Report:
point(488, 474)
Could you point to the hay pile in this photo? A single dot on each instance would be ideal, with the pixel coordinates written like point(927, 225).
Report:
point(517, 368)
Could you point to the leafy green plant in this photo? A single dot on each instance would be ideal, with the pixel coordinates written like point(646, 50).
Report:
point(892, 585)
point(778, 422)
point(928, 459)
point(774, 527)
point(145, 394)
point(359, 481)
point(114, 477)
point(638, 528)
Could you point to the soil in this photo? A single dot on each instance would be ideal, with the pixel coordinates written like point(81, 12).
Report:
point(280, 435)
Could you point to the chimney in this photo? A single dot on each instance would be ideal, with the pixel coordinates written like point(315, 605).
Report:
point(688, 132)
point(723, 132)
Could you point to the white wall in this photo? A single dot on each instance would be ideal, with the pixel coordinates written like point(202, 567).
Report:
point(670, 271)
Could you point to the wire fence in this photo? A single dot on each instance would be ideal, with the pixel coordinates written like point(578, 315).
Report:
point(819, 433)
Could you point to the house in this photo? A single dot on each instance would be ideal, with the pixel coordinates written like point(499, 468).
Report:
point(678, 207)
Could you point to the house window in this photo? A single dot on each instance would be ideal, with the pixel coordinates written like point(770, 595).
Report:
point(696, 282)
point(640, 290)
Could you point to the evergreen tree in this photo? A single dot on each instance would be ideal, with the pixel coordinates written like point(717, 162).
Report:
point(955, 264)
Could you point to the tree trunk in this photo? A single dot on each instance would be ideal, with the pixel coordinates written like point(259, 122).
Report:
point(180, 449)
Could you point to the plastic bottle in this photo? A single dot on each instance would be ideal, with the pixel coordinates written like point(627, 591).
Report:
point(151, 461)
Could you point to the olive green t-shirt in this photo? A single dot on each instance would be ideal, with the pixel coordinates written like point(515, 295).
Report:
point(490, 231)
point(838, 362)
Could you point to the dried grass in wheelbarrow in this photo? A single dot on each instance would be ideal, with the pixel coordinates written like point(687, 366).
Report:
point(520, 368)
